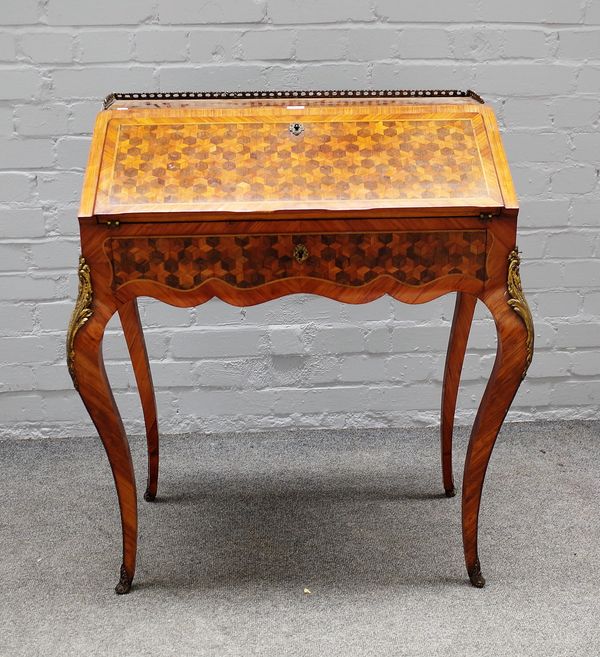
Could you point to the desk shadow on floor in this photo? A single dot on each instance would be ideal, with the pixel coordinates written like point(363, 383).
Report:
point(217, 531)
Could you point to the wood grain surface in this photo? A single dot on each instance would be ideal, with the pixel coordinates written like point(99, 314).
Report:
point(457, 346)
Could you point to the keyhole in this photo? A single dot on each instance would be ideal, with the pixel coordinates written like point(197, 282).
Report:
point(296, 129)
point(301, 253)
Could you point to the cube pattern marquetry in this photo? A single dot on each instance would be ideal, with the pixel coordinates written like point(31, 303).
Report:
point(198, 163)
point(246, 261)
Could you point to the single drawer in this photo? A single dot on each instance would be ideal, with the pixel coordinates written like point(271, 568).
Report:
point(247, 261)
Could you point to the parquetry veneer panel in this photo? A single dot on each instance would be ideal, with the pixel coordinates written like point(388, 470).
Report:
point(198, 162)
point(247, 261)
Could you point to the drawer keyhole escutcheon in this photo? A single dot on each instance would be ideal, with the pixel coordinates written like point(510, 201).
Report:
point(300, 253)
point(296, 129)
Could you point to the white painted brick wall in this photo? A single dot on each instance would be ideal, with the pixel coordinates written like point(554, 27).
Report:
point(299, 361)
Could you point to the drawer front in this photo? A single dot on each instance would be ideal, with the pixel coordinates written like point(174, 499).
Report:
point(247, 261)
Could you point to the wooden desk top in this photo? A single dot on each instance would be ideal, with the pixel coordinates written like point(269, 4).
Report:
point(295, 154)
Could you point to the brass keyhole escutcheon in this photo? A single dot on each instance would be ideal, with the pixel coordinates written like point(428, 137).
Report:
point(296, 129)
point(300, 253)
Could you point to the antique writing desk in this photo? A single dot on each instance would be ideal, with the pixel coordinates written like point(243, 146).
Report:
point(251, 196)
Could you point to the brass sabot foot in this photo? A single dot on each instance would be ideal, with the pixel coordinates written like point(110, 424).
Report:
point(476, 577)
point(124, 585)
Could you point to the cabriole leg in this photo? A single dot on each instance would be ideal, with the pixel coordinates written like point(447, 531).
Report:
point(457, 345)
point(86, 365)
point(132, 328)
point(515, 347)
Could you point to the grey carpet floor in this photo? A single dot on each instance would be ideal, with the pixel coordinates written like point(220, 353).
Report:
point(245, 523)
